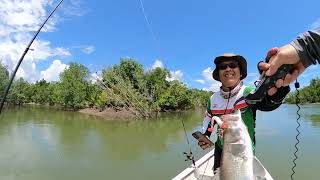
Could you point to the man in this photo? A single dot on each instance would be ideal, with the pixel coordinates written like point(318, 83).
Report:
point(302, 52)
point(230, 70)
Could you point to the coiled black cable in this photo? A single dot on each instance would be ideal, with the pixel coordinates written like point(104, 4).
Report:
point(296, 84)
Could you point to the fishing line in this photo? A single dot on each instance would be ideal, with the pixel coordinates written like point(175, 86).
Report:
point(296, 84)
point(189, 156)
point(147, 21)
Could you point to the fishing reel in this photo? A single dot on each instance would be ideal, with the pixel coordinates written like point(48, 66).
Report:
point(189, 156)
point(266, 83)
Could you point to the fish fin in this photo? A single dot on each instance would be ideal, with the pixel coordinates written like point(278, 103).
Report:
point(259, 171)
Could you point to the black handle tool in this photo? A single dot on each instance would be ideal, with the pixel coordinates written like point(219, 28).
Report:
point(266, 83)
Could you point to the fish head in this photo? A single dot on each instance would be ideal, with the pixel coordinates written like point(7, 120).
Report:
point(234, 127)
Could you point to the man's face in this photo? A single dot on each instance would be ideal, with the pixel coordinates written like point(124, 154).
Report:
point(229, 73)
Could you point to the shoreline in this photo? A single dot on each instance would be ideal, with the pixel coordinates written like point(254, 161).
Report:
point(110, 113)
point(107, 113)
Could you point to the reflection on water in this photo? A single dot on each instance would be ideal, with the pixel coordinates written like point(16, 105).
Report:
point(315, 119)
point(41, 143)
point(276, 150)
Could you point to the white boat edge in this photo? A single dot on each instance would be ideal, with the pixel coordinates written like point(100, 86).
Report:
point(204, 165)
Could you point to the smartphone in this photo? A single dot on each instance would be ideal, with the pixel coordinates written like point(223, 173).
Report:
point(201, 137)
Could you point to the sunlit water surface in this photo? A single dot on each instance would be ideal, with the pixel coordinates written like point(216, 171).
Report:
point(45, 144)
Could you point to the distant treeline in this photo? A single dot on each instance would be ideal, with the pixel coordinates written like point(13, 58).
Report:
point(308, 94)
point(126, 85)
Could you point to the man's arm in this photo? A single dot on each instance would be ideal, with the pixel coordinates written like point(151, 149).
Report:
point(205, 131)
point(206, 126)
point(302, 52)
point(307, 46)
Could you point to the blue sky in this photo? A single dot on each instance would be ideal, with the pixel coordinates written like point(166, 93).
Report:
point(183, 36)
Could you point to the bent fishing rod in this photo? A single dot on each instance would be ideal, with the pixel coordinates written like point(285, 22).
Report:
point(23, 55)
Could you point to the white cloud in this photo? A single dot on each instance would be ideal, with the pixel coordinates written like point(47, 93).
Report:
point(59, 51)
point(88, 49)
point(209, 83)
point(11, 51)
point(53, 72)
point(75, 8)
point(201, 81)
point(96, 76)
point(25, 15)
point(311, 72)
point(315, 24)
point(156, 64)
point(18, 22)
point(175, 75)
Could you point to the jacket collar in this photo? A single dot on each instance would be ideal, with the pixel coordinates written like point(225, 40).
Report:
point(233, 92)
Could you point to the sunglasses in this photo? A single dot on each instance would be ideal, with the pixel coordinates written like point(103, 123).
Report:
point(232, 65)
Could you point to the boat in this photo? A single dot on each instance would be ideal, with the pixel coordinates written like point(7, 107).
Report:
point(204, 170)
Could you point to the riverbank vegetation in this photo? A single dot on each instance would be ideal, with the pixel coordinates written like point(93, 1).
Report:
point(123, 86)
point(307, 94)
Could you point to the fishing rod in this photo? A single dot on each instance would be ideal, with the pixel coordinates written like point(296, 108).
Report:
point(23, 55)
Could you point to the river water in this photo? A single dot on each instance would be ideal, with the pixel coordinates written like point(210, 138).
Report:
point(46, 144)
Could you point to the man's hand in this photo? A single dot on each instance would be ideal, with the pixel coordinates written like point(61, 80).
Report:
point(277, 57)
point(203, 144)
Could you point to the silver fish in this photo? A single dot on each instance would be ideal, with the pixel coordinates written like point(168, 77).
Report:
point(238, 161)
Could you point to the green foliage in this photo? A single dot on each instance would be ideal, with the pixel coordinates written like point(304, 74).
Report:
point(308, 94)
point(102, 100)
point(175, 97)
point(41, 92)
point(133, 72)
point(126, 85)
point(73, 86)
point(92, 94)
point(18, 92)
point(121, 91)
point(55, 96)
point(156, 83)
point(199, 97)
point(4, 79)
